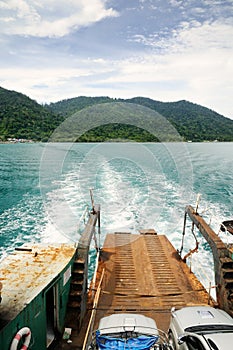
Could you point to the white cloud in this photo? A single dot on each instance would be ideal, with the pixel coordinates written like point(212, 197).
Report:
point(193, 62)
point(176, 3)
point(191, 35)
point(197, 57)
point(50, 18)
point(202, 77)
point(206, 36)
point(55, 81)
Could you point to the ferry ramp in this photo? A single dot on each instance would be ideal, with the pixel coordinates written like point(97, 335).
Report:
point(138, 273)
point(144, 274)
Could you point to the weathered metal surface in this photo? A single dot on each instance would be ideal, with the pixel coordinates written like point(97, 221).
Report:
point(140, 274)
point(77, 306)
point(85, 239)
point(144, 274)
point(215, 242)
point(25, 273)
point(36, 282)
point(223, 262)
point(227, 226)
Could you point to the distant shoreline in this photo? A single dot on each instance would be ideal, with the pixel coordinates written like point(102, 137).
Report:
point(109, 141)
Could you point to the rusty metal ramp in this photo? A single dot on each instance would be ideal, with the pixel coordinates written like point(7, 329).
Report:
point(144, 274)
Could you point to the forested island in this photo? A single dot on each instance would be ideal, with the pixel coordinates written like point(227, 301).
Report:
point(24, 118)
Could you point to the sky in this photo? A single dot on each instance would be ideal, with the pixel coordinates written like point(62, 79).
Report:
point(167, 50)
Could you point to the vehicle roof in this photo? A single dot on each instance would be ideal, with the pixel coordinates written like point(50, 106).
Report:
point(118, 323)
point(201, 315)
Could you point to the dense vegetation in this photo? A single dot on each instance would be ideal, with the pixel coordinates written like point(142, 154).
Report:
point(23, 118)
point(72, 105)
point(192, 121)
point(117, 132)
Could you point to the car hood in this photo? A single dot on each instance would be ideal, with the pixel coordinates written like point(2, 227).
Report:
point(221, 340)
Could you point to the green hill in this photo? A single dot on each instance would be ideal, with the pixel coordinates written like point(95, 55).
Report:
point(23, 118)
point(72, 105)
point(192, 121)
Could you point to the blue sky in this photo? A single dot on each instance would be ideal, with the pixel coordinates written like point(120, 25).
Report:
point(167, 50)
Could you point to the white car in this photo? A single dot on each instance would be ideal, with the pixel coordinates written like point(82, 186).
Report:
point(129, 331)
point(201, 328)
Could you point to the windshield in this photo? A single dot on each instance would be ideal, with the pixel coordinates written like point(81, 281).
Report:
point(205, 329)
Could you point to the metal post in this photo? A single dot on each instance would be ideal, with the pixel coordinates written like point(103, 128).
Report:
point(92, 201)
point(209, 293)
point(99, 226)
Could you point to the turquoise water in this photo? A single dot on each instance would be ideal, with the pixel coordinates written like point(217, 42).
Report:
point(45, 189)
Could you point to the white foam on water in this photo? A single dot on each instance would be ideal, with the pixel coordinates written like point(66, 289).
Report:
point(137, 188)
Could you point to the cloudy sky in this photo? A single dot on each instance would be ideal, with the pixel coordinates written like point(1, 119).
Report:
point(168, 50)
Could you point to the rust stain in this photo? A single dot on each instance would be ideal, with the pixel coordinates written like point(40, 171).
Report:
point(144, 275)
point(30, 272)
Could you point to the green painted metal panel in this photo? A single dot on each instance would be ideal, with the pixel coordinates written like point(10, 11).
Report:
point(34, 315)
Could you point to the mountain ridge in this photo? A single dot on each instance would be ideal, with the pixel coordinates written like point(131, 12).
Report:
point(22, 117)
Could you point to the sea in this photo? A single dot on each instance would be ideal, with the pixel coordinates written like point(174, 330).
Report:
point(46, 189)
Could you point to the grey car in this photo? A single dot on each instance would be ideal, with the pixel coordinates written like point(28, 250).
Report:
point(201, 328)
